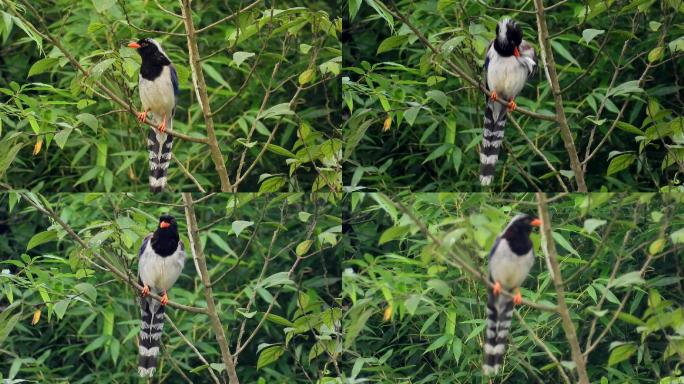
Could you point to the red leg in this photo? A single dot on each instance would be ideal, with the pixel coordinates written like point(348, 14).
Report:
point(517, 298)
point(162, 126)
point(497, 288)
point(493, 96)
point(142, 115)
point(512, 105)
point(165, 298)
point(145, 290)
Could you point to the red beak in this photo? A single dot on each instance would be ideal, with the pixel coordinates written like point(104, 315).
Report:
point(536, 223)
point(135, 45)
point(516, 52)
point(164, 224)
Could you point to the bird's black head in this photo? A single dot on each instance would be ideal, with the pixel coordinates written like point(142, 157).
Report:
point(518, 233)
point(165, 238)
point(150, 51)
point(508, 37)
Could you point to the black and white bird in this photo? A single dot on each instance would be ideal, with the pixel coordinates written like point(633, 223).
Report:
point(508, 64)
point(160, 262)
point(158, 86)
point(510, 261)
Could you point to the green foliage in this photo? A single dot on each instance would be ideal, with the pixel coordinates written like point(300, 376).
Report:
point(64, 317)
point(81, 141)
point(413, 123)
point(415, 315)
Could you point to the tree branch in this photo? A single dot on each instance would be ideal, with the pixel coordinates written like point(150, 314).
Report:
point(245, 9)
point(203, 98)
point(549, 248)
point(550, 65)
point(201, 263)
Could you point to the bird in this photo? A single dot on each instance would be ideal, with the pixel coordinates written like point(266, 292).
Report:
point(509, 62)
point(158, 87)
point(510, 261)
point(160, 262)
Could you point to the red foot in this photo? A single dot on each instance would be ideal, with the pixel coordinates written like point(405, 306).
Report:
point(145, 290)
point(497, 288)
point(162, 126)
point(142, 116)
point(512, 105)
point(165, 299)
point(493, 96)
point(517, 298)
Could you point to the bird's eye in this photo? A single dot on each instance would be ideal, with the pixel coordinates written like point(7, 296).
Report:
point(143, 45)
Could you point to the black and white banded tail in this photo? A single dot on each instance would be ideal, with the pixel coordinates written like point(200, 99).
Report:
point(492, 139)
point(151, 329)
point(499, 312)
point(159, 145)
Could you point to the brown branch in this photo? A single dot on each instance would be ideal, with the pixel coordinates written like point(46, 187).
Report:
point(194, 349)
point(550, 66)
point(549, 248)
point(187, 173)
point(201, 264)
point(203, 98)
point(247, 8)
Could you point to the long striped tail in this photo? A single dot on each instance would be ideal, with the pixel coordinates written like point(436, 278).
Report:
point(499, 312)
point(159, 145)
point(150, 335)
point(492, 139)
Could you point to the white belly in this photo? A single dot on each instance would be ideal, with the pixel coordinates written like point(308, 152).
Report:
point(160, 273)
point(508, 268)
point(506, 76)
point(157, 96)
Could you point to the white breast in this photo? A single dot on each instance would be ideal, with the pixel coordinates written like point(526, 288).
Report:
point(505, 75)
point(508, 268)
point(157, 95)
point(160, 273)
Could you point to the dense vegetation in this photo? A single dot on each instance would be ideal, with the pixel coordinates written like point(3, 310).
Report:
point(417, 315)
point(269, 73)
point(67, 317)
point(416, 123)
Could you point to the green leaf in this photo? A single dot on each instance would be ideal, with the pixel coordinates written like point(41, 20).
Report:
point(62, 136)
point(393, 233)
point(239, 225)
point(214, 74)
point(411, 114)
point(103, 5)
point(269, 355)
point(303, 247)
point(280, 151)
point(277, 279)
point(627, 87)
point(87, 289)
point(114, 348)
point(656, 54)
point(101, 67)
point(438, 96)
point(272, 184)
point(438, 343)
point(589, 34)
point(239, 57)
point(564, 243)
point(628, 279)
point(676, 45)
point(656, 246)
point(391, 42)
point(60, 308)
point(89, 120)
point(355, 326)
point(97, 343)
point(629, 128)
point(275, 111)
point(42, 65)
point(621, 353)
point(620, 162)
point(306, 76)
point(558, 47)
point(590, 225)
point(41, 238)
point(100, 237)
point(677, 236)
